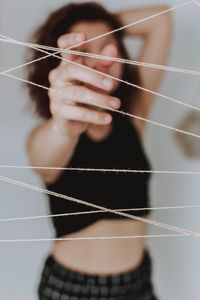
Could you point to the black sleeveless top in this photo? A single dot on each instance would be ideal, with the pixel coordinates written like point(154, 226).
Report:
point(120, 150)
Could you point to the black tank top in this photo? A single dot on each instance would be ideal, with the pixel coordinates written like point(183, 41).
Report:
point(120, 150)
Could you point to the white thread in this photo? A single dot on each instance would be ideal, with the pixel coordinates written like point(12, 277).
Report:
point(91, 238)
point(121, 28)
point(101, 170)
point(98, 56)
point(109, 76)
point(127, 82)
point(196, 2)
point(105, 107)
point(75, 200)
point(22, 184)
point(95, 212)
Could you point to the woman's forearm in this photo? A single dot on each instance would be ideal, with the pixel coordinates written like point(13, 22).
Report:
point(156, 34)
point(50, 146)
point(144, 28)
point(53, 143)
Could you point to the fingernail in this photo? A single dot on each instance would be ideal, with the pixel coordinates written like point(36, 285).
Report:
point(107, 83)
point(79, 37)
point(108, 118)
point(62, 42)
point(114, 103)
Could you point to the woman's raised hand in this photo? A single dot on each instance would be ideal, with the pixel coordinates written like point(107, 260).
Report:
point(83, 89)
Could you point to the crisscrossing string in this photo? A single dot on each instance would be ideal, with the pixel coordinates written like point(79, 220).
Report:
point(182, 231)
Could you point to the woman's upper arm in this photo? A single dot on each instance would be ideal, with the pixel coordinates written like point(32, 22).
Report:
point(155, 50)
point(156, 35)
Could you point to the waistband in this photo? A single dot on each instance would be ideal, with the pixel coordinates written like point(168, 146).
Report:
point(59, 282)
point(61, 272)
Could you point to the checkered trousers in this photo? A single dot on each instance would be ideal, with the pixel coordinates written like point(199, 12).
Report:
point(60, 283)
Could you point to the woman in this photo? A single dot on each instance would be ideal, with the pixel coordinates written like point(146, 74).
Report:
point(80, 134)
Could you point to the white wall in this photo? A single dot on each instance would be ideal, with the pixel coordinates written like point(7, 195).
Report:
point(176, 260)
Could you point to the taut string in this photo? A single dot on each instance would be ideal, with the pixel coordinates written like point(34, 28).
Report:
point(104, 74)
point(97, 56)
point(99, 207)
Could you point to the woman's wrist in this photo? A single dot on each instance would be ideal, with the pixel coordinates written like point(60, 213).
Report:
point(68, 128)
point(59, 126)
point(142, 29)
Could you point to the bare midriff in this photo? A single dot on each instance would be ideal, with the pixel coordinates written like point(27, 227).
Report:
point(107, 256)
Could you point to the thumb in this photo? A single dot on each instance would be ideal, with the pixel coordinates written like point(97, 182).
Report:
point(103, 65)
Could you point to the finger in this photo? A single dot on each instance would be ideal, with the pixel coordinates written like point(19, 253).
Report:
point(84, 95)
point(71, 73)
point(70, 40)
point(82, 114)
point(109, 50)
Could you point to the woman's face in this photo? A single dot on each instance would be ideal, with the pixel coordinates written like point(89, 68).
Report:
point(106, 46)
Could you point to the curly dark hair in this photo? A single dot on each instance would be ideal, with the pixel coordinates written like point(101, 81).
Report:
point(58, 23)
